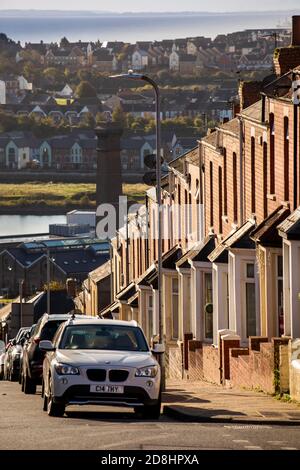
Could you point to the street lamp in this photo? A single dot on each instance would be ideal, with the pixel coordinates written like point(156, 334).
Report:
point(48, 275)
point(138, 76)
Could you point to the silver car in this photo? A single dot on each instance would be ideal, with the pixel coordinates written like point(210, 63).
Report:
point(102, 362)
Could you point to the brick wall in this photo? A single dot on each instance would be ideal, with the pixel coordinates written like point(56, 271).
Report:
point(253, 370)
point(173, 362)
point(204, 362)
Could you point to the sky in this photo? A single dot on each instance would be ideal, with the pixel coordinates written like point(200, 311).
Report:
point(153, 5)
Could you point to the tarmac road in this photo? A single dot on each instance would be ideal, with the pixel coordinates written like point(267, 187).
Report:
point(23, 425)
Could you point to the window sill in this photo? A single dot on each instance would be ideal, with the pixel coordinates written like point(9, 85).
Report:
point(271, 197)
point(225, 218)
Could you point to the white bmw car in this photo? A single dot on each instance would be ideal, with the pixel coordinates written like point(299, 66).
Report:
point(103, 362)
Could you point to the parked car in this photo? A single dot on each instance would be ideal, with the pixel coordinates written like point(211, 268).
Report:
point(33, 356)
point(102, 362)
point(27, 337)
point(13, 354)
point(2, 356)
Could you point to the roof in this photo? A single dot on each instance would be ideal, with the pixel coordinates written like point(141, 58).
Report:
point(199, 252)
point(240, 238)
point(101, 321)
point(253, 111)
point(193, 156)
point(266, 232)
point(127, 292)
point(100, 273)
point(290, 227)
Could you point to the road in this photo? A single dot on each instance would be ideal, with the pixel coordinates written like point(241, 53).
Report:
point(23, 425)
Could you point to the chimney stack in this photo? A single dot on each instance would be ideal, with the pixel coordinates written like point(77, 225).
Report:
point(296, 31)
point(287, 58)
point(109, 175)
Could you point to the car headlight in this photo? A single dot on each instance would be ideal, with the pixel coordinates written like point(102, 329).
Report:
point(150, 371)
point(66, 369)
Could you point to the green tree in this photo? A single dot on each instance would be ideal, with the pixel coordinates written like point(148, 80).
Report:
point(86, 90)
point(119, 116)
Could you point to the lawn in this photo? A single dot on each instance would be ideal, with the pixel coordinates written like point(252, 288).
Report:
point(59, 194)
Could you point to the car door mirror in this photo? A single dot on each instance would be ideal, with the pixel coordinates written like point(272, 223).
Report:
point(46, 345)
point(158, 348)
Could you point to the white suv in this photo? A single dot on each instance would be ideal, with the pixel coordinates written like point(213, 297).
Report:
point(103, 362)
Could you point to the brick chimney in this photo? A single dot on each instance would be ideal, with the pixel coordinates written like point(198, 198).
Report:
point(287, 58)
point(249, 93)
point(109, 175)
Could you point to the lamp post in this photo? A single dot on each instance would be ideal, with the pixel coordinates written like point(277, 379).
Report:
point(48, 276)
point(138, 76)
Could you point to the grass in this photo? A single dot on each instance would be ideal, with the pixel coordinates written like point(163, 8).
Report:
point(59, 194)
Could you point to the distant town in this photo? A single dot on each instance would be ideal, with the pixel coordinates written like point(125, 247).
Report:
point(53, 95)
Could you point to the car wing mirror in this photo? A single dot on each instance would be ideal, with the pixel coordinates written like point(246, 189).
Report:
point(46, 345)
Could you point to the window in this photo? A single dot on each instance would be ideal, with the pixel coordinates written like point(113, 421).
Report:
point(250, 300)
point(234, 177)
point(252, 174)
point(11, 155)
point(175, 313)
point(265, 179)
point(211, 179)
point(225, 181)
point(280, 295)
point(186, 215)
point(220, 201)
point(208, 306)
point(272, 153)
point(286, 157)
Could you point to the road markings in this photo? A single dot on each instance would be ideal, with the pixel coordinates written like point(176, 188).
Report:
point(240, 441)
point(276, 443)
point(253, 447)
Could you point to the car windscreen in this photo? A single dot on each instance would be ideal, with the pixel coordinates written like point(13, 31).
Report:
point(49, 329)
point(103, 337)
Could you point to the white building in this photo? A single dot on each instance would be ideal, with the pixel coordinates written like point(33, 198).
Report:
point(82, 218)
point(139, 60)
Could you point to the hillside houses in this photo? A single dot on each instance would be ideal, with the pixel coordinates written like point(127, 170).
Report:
point(184, 55)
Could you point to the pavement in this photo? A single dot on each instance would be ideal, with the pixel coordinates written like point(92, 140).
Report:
point(205, 402)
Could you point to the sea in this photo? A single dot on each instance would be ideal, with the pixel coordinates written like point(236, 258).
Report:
point(89, 26)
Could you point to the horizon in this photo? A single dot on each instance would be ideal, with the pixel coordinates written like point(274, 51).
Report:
point(119, 12)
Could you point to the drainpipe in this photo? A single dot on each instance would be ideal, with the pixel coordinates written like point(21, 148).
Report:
point(295, 150)
point(201, 189)
point(241, 138)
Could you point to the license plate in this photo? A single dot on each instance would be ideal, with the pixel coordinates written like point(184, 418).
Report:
point(106, 389)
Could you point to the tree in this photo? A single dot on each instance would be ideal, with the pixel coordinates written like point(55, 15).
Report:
point(119, 116)
point(64, 43)
point(87, 121)
point(86, 90)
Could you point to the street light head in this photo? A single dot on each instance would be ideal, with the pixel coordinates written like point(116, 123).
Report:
point(130, 75)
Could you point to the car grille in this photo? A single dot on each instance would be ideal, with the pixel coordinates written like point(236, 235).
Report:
point(97, 375)
point(118, 375)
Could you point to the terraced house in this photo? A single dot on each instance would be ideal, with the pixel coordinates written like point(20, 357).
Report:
point(231, 251)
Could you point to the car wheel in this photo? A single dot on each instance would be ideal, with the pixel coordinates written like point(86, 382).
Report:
point(1, 374)
point(29, 386)
point(43, 390)
point(151, 411)
point(22, 382)
point(54, 409)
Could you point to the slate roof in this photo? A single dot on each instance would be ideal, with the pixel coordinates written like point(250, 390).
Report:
point(199, 252)
point(240, 238)
point(290, 227)
point(266, 232)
